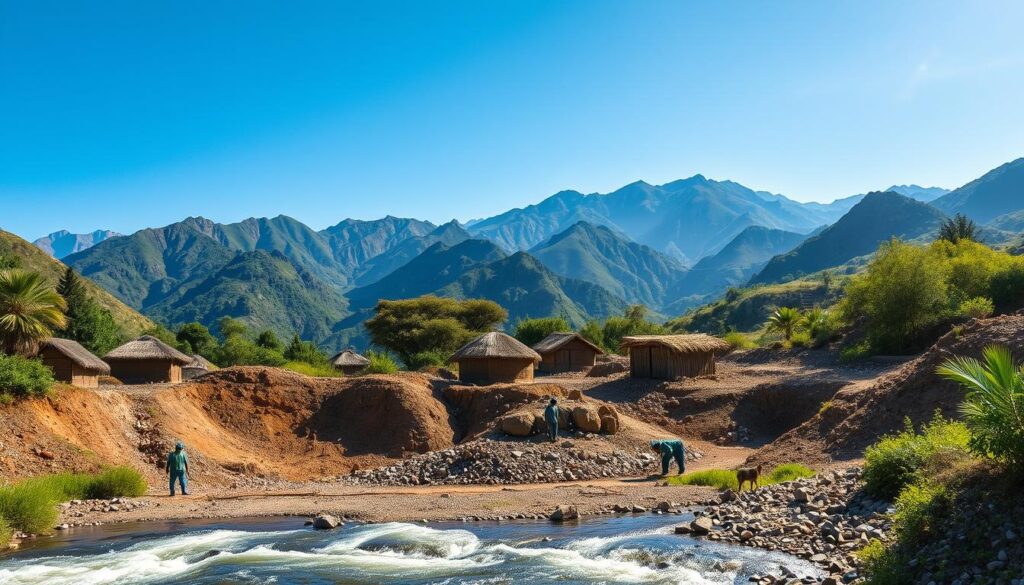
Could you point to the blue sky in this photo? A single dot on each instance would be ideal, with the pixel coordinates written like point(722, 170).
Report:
point(124, 115)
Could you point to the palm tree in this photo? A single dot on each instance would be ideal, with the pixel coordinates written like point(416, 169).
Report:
point(994, 406)
point(30, 309)
point(784, 319)
point(959, 227)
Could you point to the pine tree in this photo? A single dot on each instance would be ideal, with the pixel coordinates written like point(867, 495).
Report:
point(87, 322)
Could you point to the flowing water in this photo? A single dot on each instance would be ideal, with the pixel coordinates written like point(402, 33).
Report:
point(609, 550)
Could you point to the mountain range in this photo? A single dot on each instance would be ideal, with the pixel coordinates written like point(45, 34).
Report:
point(668, 246)
point(62, 243)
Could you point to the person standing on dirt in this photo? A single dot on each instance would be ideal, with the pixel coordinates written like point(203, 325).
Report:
point(551, 417)
point(177, 468)
point(670, 449)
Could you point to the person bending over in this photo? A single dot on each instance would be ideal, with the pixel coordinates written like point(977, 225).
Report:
point(670, 449)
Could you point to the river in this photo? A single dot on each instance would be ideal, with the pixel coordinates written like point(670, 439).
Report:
point(628, 549)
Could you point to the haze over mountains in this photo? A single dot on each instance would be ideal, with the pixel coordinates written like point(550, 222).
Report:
point(669, 247)
point(62, 243)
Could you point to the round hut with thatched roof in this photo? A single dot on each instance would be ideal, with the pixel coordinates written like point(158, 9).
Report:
point(72, 363)
point(671, 357)
point(146, 360)
point(197, 367)
point(349, 362)
point(494, 358)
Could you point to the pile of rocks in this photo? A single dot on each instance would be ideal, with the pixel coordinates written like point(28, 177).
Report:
point(824, 519)
point(487, 461)
point(79, 508)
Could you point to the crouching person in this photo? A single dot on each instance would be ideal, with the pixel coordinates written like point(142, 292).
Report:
point(670, 449)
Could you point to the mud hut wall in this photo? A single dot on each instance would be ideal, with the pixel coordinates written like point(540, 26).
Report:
point(662, 363)
point(66, 370)
point(574, 355)
point(145, 371)
point(490, 371)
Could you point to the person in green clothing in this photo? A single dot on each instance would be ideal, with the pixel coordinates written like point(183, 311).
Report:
point(551, 417)
point(177, 468)
point(669, 449)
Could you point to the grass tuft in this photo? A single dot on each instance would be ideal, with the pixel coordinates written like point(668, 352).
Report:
point(725, 479)
point(318, 371)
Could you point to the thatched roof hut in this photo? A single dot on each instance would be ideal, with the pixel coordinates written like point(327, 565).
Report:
point(493, 358)
point(566, 352)
point(197, 367)
point(146, 360)
point(349, 362)
point(670, 357)
point(72, 363)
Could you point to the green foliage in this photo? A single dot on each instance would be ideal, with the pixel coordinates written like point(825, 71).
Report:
point(165, 335)
point(269, 340)
point(738, 340)
point(883, 565)
point(895, 461)
point(30, 310)
point(916, 510)
point(531, 331)
point(237, 350)
point(316, 371)
point(903, 290)
point(726, 478)
point(976, 308)
point(23, 378)
point(87, 322)
point(957, 228)
point(994, 406)
point(227, 327)
point(431, 324)
point(822, 326)
point(425, 359)
point(632, 322)
point(303, 351)
point(784, 320)
point(195, 338)
point(31, 505)
point(380, 363)
point(9, 261)
point(592, 332)
point(5, 528)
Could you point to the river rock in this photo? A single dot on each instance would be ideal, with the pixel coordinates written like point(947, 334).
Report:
point(563, 513)
point(702, 525)
point(326, 522)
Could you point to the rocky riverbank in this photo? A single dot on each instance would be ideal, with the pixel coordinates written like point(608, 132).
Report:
point(490, 462)
point(824, 519)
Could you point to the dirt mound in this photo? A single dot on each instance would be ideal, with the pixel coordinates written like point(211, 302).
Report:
point(476, 408)
point(858, 415)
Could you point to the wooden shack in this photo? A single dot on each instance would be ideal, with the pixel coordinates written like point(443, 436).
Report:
point(494, 358)
point(146, 360)
point(349, 362)
point(566, 352)
point(71, 363)
point(197, 367)
point(671, 357)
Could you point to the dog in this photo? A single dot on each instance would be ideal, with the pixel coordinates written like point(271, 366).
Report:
point(749, 474)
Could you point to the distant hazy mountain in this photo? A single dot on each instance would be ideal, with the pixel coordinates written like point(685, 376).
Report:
point(61, 243)
point(925, 194)
point(356, 242)
point(264, 289)
point(685, 219)
point(996, 193)
point(596, 254)
point(878, 217)
point(740, 259)
point(400, 254)
point(480, 269)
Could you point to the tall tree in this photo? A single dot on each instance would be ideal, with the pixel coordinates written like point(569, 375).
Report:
point(30, 310)
point(959, 227)
point(196, 338)
point(269, 340)
point(87, 322)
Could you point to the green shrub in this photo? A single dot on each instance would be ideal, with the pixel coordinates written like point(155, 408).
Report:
point(117, 482)
point(976, 308)
point(788, 472)
point(318, 371)
point(800, 339)
point(425, 359)
point(380, 363)
point(858, 351)
point(30, 507)
point(994, 406)
point(531, 331)
point(917, 508)
point(895, 460)
point(22, 378)
point(738, 340)
point(5, 533)
point(883, 565)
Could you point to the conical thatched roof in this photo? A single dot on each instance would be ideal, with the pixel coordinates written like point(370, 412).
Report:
point(349, 358)
point(495, 345)
point(557, 340)
point(200, 363)
point(695, 342)
point(76, 353)
point(147, 347)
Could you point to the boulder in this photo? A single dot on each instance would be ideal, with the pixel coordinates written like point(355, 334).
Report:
point(575, 394)
point(702, 525)
point(586, 419)
point(607, 410)
point(563, 513)
point(326, 522)
point(609, 425)
point(519, 424)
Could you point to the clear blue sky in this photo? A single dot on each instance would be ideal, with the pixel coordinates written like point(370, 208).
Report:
point(124, 115)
